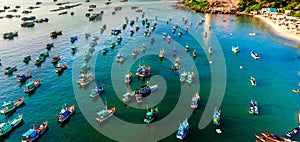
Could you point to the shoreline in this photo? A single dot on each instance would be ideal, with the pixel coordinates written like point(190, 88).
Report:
point(279, 30)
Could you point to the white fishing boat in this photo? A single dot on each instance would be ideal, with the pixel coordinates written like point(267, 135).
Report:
point(254, 55)
point(105, 113)
point(235, 50)
point(120, 57)
point(128, 78)
point(252, 33)
point(127, 97)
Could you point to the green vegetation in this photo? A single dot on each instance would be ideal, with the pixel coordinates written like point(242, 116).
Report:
point(197, 4)
point(249, 5)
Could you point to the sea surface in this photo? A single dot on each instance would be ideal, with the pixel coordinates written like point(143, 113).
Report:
point(276, 73)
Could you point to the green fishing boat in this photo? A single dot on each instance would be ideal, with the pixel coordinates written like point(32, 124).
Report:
point(5, 128)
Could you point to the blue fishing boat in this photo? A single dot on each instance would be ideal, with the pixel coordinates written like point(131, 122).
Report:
point(293, 132)
point(151, 115)
point(143, 72)
point(73, 39)
point(97, 91)
point(23, 77)
point(30, 135)
point(65, 113)
point(253, 108)
point(217, 117)
point(182, 129)
point(42, 128)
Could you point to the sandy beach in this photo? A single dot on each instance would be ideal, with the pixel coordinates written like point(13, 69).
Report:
point(280, 30)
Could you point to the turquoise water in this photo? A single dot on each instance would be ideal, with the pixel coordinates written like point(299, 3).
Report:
point(276, 73)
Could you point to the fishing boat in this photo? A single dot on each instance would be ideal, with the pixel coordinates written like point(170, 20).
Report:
point(187, 48)
point(127, 96)
point(95, 16)
point(65, 113)
point(161, 54)
point(16, 121)
point(194, 53)
point(143, 72)
point(174, 52)
point(10, 35)
point(105, 113)
point(85, 67)
point(42, 128)
point(128, 78)
point(31, 86)
point(103, 51)
point(73, 39)
point(183, 76)
point(120, 57)
point(253, 108)
point(190, 77)
point(151, 115)
point(217, 117)
point(7, 107)
point(210, 51)
point(30, 136)
point(27, 59)
point(59, 69)
point(85, 79)
point(275, 137)
point(73, 49)
point(252, 33)
point(54, 34)
point(97, 91)
point(27, 24)
point(5, 128)
point(296, 90)
point(254, 55)
point(55, 59)
point(195, 100)
point(10, 70)
point(299, 115)
point(182, 129)
point(23, 77)
point(263, 138)
point(235, 50)
point(252, 81)
point(112, 45)
point(146, 90)
point(49, 46)
point(119, 39)
point(293, 132)
point(135, 52)
point(19, 102)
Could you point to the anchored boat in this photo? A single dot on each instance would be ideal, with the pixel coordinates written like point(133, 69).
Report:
point(31, 86)
point(182, 129)
point(195, 100)
point(97, 91)
point(253, 107)
point(151, 115)
point(65, 113)
point(254, 55)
